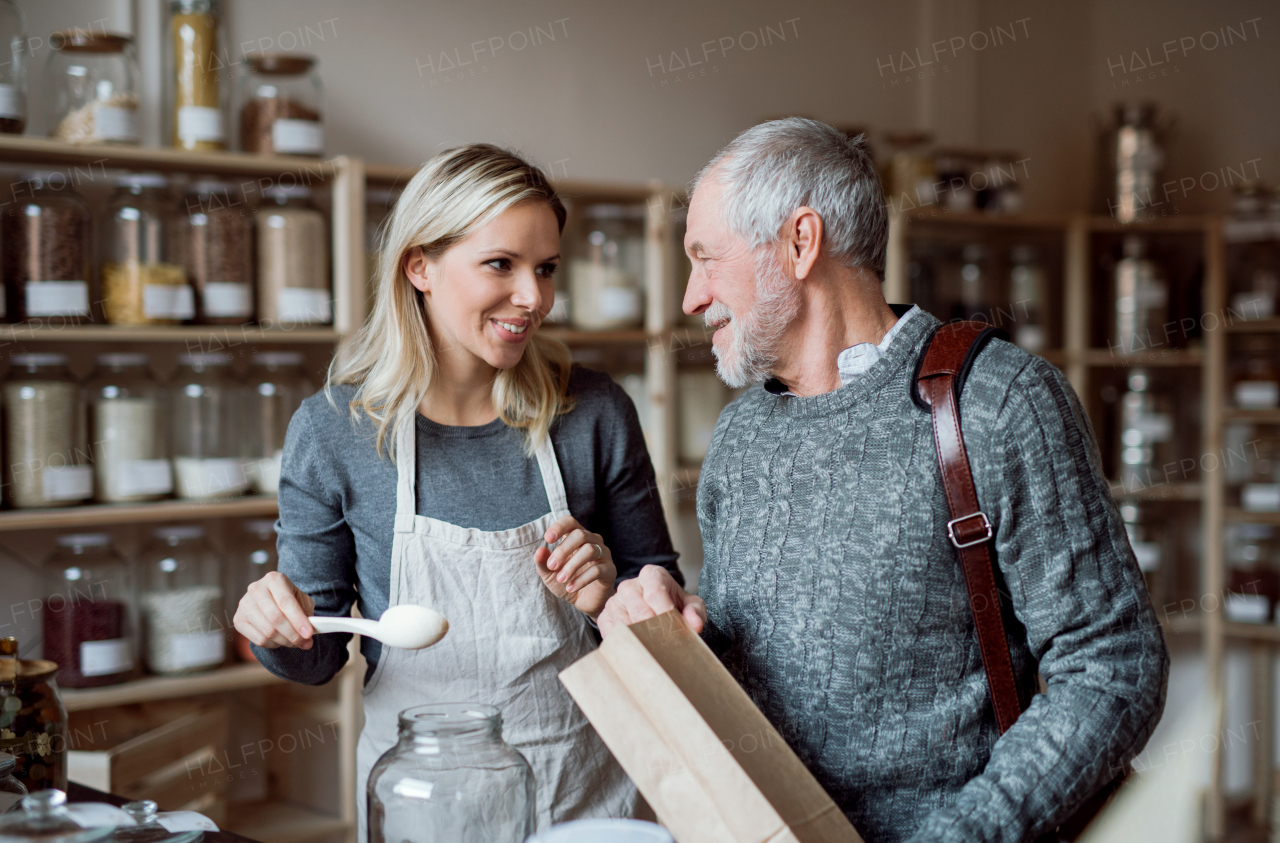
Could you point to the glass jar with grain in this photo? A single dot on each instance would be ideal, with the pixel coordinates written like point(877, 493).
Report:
point(92, 80)
point(45, 455)
point(127, 428)
point(218, 230)
point(276, 388)
point(144, 279)
point(13, 71)
point(197, 70)
point(184, 621)
point(280, 112)
point(88, 612)
point(293, 259)
point(46, 237)
point(204, 415)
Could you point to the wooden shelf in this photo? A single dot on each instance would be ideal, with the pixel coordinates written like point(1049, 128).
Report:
point(234, 678)
point(1267, 632)
point(1100, 357)
point(938, 214)
point(95, 158)
point(1255, 416)
point(106, 514)
point(1160, 492)
point(1181, 222)
point(1182, 624)
point(210, 337)
point(1236, 515)
point(1254, 326)
point(282, 822)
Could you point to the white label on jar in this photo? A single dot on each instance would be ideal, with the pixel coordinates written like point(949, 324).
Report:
point(57, 298)
point(184, 821)
point(622, 303)
point(1247, 608)
point(199, 123)
point(115, 124)
point(11, 104)
point(205, 478)
point(67, 482)
point(144, 477)
point(1255, 304)
point(196, 649)
point(299, 304)
point(1257, 395)
point(224, 299)
point(1148, 555)
point(298, 137)
point(103, 658)
point(1260, 497)
point(1156, 427)
point(167, 301)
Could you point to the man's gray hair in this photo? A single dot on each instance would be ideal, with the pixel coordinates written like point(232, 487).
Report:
point(772, 169)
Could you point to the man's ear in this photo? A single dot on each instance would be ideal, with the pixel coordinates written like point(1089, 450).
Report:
point(419, 269)
point(804, 241)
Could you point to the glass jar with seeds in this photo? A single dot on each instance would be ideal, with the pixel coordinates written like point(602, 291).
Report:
point(218, 230)
point(205, 407)
point(88, 612)
point(127, 430)
point(185, 623)
point(92, 80)
point(293, 259)
point(46, 459)
point(46, 239)
point(275, 390)
point(144, 279)
point(281, 105)
point(13, 70)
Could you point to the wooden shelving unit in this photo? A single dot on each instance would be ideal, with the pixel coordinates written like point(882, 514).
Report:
point(233, 678)
point(107, 514)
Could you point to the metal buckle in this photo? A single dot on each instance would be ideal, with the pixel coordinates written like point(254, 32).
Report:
point(951, 530)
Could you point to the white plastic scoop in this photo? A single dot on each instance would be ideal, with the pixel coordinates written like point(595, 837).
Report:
point(407, 627)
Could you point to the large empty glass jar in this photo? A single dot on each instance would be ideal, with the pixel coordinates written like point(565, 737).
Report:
point(205, 428)
point(451, 777)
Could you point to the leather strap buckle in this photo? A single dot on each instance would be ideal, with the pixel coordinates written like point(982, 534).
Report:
point(986, 528)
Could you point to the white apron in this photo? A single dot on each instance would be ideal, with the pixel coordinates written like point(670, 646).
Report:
point(508, 639)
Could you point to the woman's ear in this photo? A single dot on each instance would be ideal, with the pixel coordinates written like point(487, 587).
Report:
point(418, 269)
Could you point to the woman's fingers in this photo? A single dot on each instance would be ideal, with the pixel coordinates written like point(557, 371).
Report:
point(563, 552)
point(561, 528)
point(585, 555)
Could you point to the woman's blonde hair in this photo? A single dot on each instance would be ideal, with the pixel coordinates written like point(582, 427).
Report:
point(391, 358)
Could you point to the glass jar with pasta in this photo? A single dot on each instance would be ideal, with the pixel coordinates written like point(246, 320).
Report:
point(92, 78)
point(196, 70)
point(144, 279)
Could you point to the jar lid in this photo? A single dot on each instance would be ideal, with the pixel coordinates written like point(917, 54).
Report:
point(150, 829)
point(280, 64)
point(39, 359)
point(89, 41)
point(26, 669)
point(185, 532)
point(123, 358)
point(84, 540)
point(142, 180)
point(288, 191)
point(47, 818)
point(278, 358)
point(7, 763)
point(192, 7)
point(208, 358)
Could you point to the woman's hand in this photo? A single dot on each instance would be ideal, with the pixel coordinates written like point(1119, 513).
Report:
point(273, 613)
point(580, 570)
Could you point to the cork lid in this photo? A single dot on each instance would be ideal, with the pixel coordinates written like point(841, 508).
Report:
point(280, 64)
point(88, 41)
point(12, 667)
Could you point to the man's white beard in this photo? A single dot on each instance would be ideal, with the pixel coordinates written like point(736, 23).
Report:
point(754, 337)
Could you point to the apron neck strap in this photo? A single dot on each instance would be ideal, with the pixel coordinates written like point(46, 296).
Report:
point(552, 480)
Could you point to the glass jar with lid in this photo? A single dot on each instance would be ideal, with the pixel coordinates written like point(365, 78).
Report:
point(44, 433)
point(275, 389)
point(1142, 299)
point(451, 777)
point(11, 790)
point(127, 426)
point(13, 72)
point(47, 249)
point(281, 108)
point(92, 79)
point(1255, 378)
point(144, 280)
point(184, 619)
point(606, 276)
point(1146, 432)
point(254, 559)
point(205, 432)
point(1260, 491)
point(218, 234)
point(197, 67)
point(88, 612)
point(33, 720)
point(293, 259)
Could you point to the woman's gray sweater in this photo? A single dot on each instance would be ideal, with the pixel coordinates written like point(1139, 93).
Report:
point(837, 600)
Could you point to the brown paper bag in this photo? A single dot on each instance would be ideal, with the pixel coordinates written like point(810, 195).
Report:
point(701, 753)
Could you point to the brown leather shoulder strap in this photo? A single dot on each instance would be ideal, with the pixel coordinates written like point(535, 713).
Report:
point(942, 369)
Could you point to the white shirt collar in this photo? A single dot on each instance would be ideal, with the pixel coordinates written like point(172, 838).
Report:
point(857, 359)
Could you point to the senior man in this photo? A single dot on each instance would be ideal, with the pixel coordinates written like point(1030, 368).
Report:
point(832, 592)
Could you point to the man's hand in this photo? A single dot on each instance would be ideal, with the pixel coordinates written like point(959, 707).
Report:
point(649, 595)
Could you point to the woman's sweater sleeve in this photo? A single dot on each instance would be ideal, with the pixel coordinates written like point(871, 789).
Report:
point(316, 551)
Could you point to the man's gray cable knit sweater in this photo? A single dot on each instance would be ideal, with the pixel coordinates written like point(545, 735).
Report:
point(838, 602)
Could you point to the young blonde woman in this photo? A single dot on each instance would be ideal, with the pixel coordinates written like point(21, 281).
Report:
point(451, 442)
